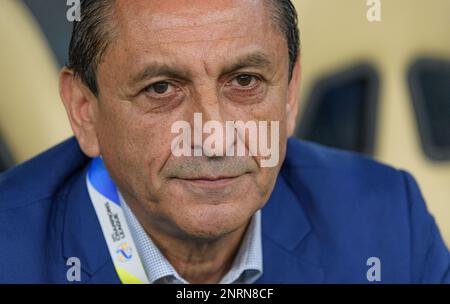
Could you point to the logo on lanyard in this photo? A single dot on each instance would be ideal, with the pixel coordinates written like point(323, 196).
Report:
point(124, 252)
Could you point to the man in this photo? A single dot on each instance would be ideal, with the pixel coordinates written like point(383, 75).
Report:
point(121, 205)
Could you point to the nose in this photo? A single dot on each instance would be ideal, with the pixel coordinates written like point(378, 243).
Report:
point(211, 136)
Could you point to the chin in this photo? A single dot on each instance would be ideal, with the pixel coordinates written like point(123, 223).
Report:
point(212, 221)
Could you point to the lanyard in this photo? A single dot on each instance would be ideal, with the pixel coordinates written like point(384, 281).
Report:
point(105, 199)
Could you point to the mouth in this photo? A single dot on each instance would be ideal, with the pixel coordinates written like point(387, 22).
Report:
point(211, 181)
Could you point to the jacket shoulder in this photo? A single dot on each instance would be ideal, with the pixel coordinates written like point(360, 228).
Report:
point(40, 177)
point(303, 153)
point(350, 194)
point(339, 167)
point(361, 208)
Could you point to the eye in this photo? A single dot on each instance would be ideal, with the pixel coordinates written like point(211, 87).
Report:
point(245, 81)
point(160, 89)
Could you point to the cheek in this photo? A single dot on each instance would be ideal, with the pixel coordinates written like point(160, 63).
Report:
point(148, 149)
point(272, 108)
point(136, 147)
point(272, 111)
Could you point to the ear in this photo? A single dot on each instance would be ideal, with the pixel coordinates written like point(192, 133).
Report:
point(293, 98)
point(81, 107)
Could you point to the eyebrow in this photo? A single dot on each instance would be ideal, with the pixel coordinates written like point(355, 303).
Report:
point(155, 69)
point(254, 60)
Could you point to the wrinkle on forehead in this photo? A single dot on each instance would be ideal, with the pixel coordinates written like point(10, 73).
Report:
point(190, 21)
point(184, 19)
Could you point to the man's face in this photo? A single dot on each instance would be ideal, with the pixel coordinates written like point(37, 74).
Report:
point(169, 60)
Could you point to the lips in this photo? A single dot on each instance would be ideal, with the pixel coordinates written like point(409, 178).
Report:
point(211, 178)
point(218, 181)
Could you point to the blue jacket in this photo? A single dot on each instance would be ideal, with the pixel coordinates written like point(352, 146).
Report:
point(329, 213)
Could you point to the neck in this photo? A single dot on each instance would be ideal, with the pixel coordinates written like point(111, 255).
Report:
point(200, 262)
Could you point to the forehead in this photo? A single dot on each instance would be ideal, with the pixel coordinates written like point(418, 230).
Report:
point(177, 26)
point(166, 18)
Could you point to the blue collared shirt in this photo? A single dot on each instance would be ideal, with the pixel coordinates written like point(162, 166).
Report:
point(246, 268)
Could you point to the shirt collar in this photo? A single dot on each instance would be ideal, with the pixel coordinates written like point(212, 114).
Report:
point(246, 268)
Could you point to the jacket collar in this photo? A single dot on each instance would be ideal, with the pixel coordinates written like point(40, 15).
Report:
point(290, 249)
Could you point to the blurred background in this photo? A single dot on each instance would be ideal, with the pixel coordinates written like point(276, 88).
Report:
point(381, 89)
